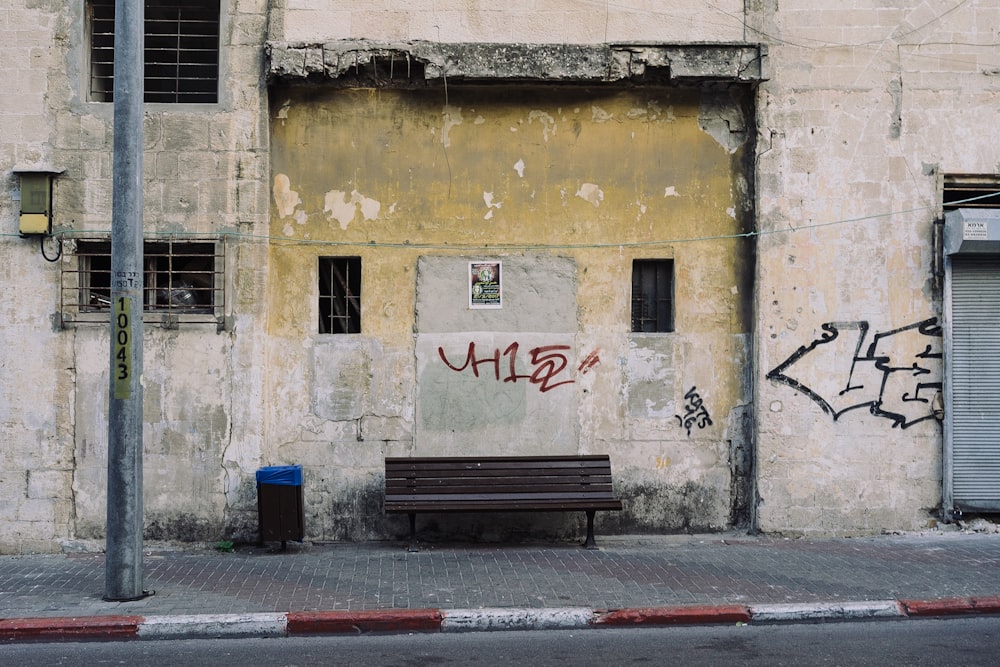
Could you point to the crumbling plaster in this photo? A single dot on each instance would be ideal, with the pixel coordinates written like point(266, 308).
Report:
point(858, 111)
point(351, 61)
point(491, 173)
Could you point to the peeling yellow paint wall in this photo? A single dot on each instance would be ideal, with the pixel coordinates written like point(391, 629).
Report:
point(563, 185)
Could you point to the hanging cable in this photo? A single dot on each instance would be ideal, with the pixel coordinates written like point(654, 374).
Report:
point(59, 246)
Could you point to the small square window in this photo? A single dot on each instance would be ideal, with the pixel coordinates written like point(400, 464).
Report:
point(652, 295)
point(179, 278)
point(339, 295)
point(181, 43)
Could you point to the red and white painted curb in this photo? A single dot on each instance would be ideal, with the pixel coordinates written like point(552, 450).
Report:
point(469, 620)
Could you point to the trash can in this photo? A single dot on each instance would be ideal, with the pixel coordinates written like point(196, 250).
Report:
point(279, 504)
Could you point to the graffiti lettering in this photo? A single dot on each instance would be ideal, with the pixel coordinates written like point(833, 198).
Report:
point(546, 361)
point(695, 412)
point(589, 362)
point(895, 377)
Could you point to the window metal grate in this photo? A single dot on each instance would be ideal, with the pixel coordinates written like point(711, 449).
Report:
point(971, 191)
point(653, 295)
point(181, 51)
point(339, 295)
point(183, 278)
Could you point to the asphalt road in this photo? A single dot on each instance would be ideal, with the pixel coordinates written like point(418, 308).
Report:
point(966, 642)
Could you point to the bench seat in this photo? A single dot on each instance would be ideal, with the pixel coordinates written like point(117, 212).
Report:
point(499, 484)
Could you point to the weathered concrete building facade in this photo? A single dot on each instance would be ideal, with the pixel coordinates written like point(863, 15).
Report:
point(708, 242)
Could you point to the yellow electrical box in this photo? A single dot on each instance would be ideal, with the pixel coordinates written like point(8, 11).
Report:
point(36, 202)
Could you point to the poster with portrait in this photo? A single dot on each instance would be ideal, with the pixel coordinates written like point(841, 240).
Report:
point(485, 285)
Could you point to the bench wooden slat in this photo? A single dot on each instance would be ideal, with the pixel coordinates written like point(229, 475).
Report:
point(500, 492)
point(497, 472)
point(506, 507)
point(499, 483)
point(490, 460)
point(445, 494)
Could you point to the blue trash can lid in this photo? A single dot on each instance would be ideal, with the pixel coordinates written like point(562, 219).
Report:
point(281, 475)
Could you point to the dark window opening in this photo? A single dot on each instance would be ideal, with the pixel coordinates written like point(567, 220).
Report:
point(971, 191)
point(181, 51)
point(653, 295)
point(339, 295)
point(179, 277)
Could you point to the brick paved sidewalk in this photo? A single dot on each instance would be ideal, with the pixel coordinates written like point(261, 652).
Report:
point(628, 572)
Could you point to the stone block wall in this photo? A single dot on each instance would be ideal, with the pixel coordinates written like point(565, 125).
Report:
point(860, 113)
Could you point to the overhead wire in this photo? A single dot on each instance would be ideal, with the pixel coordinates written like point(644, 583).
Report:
point(284, 240)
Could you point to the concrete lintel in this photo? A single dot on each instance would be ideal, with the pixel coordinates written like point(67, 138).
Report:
point(364, 62)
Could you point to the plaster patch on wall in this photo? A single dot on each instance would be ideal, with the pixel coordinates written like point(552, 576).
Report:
point(649, 378)
point(490, 204)
point(592, 193)
point(723, 120)
point(652, 111)
point(670, 191)
point(599, 115)
point(519, 168)
point(345, 367)
point(285, 199)
point(339, 207)
point(547, 121)
point(452, 117)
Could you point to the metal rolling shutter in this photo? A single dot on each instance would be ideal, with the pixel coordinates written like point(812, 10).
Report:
point(976, 381)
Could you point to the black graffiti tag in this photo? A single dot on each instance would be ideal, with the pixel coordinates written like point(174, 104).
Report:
point(695, 412)
point(895, 377)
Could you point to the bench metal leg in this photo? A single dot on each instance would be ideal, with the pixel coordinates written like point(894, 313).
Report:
point(591, 543)
point(413, 532)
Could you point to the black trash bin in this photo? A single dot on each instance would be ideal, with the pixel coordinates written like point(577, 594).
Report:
point(279, 504)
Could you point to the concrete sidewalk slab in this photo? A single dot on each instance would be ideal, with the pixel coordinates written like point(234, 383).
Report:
point(380, 587)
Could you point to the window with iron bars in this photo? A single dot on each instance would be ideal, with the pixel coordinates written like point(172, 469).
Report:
point(182, 278)
point(971, 191)
point(652, 295)
point(181, 50)
point(339, 295)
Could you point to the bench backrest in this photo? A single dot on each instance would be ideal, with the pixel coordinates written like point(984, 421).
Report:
point(501, 482)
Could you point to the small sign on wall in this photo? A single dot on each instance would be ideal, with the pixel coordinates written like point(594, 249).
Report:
point(485, 285)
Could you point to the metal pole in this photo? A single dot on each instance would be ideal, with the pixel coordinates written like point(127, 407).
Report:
point(123, 567)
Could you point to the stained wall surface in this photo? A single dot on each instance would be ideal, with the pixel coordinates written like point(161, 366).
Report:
point(813, 344)
point(564, 188)
point(204, 172)
point(866, 111)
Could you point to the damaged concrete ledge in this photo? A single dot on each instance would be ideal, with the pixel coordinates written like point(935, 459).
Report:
point(367, 63)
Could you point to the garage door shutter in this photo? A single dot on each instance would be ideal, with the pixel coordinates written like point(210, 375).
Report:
point(976, 382)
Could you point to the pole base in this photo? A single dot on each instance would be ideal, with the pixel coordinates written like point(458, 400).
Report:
point(142, 596)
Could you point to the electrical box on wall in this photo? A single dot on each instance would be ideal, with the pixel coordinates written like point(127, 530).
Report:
point(969, 230)
point(36, 201)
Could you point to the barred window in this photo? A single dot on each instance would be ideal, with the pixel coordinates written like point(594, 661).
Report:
point(971, 191)
point(339, 295)
point(653, 295)
point(181, 277)
point(181, 50)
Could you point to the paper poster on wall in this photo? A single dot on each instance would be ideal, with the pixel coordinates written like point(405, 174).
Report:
point(485, 285)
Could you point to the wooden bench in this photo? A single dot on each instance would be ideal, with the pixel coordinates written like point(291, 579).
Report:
point(499, 484)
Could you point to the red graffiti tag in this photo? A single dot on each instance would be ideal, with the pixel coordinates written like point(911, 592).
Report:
point(547, 361)
point(589, 362)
